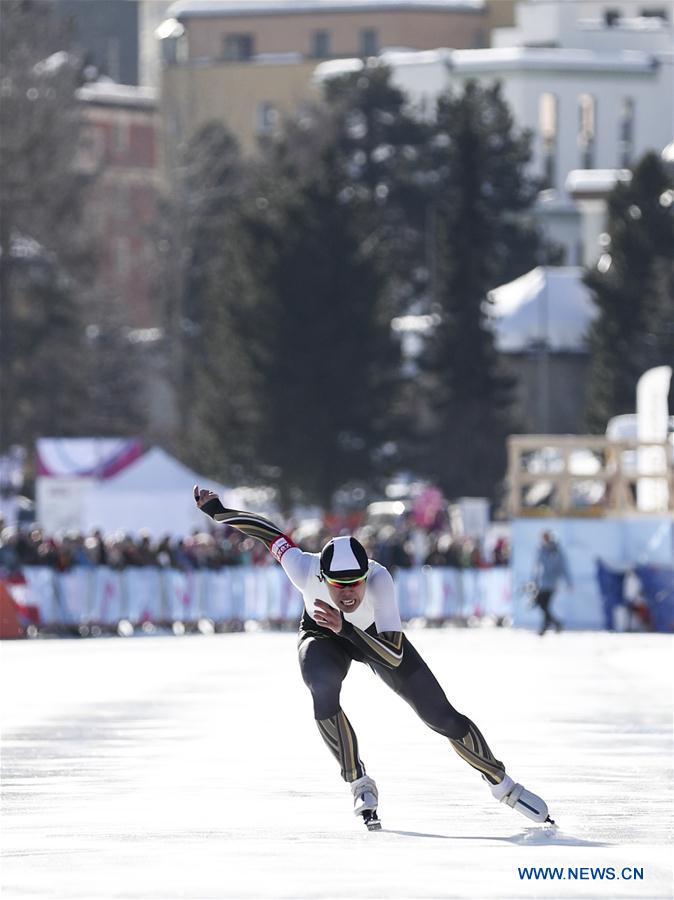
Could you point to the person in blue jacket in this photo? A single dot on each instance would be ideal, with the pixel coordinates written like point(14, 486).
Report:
point(551, 566)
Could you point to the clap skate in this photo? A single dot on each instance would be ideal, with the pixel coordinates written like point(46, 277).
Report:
point(524, 801)
point(365, 800)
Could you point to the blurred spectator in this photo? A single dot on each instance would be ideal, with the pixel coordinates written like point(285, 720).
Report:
point(502, 552)
point(9, 554)
point(147, 554)
point(27, 547)
point(95, 547)
point(181, 558)
point(438, 554)
point(397, 547)
point(76, 550)
point(390, 548)
point(164, 552)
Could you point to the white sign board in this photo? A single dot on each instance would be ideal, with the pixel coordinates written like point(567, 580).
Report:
point(60, 503)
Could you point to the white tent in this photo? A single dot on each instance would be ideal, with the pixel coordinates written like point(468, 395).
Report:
point(154, 493)
point(547, 306)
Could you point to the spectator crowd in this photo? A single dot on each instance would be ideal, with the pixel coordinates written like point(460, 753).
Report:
point(395, 547)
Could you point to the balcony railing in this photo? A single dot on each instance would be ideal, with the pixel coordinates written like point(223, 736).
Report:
point(587, 475)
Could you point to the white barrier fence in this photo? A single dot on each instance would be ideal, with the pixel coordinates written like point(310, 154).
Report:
point(104, 597)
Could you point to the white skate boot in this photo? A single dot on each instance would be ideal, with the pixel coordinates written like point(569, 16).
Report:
point(365, 800)
point(524, 801)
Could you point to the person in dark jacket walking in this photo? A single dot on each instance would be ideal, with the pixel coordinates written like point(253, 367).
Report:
point(550, 567)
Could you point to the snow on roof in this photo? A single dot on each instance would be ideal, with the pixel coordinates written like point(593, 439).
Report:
point(109, 93)
point(547, 306)
point(200, 8)
point(594, 182)
point(407, 57)
point(500, 59)
point(393, 57)
point(334, 68)
point(24, 247)
point(547, 58)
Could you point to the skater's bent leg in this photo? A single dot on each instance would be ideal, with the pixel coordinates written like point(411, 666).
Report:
point(416, 684)
point(324, 665)
point(473, 748)
point(340, 738)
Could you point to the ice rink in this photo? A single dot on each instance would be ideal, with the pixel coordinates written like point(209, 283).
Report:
point(164, 767)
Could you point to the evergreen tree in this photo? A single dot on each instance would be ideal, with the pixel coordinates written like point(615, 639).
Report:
point(483, 235)
point(210, 279)
point(49, 353)
point(633, 289)
point(379, 142)
point(115, 397)
point(41, 196)
point(318, 338)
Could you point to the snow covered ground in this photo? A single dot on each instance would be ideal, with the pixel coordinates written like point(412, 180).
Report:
point(164, 767)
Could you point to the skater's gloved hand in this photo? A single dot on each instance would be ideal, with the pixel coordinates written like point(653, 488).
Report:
point(207, 501)
point(327, 616)
point(203, 495)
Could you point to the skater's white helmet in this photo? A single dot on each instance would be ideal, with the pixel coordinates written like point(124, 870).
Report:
point(344, 560)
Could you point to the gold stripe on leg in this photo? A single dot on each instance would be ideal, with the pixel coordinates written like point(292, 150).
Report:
point(347, 746)
point(341, 740)
point(474, 749)
point(494, 771)
point(356, 768)
point(329, 740)
point(331, 727)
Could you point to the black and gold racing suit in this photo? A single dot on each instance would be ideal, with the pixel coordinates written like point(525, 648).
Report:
point(325, 659)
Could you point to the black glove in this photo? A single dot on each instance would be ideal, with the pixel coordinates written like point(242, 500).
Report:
point(211, 507)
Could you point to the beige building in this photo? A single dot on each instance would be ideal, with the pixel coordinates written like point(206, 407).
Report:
point(248, 62)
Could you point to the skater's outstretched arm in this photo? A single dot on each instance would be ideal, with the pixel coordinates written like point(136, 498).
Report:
point(295, 563)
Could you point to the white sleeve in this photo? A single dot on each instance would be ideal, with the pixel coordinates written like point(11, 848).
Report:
point(386, 613)
point(297, 566)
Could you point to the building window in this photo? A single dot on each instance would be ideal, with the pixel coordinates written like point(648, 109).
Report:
point(587, 123)
point(91, 149)
point(267, 119)
point(320, 44)
point(626, 136)
point(547, 123)
point(238, 47)
point(369, 46)
point(658, 12)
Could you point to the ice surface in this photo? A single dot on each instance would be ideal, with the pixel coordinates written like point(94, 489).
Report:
point(190, 767)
